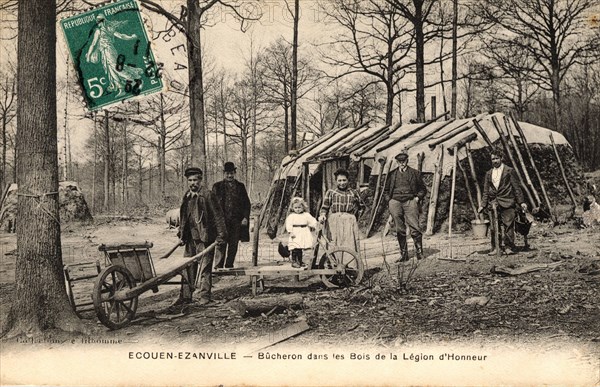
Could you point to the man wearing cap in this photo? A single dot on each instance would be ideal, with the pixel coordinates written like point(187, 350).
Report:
point(235, 203)
point(406, 191)
point(201, 224)
point(501, 189)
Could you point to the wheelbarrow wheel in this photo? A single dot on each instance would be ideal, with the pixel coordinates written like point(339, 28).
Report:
point(114, 314)
point(347, 262)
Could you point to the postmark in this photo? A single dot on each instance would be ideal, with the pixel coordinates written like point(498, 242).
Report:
point(112, 54)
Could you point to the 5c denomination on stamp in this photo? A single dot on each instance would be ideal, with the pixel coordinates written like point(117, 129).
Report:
point(112, 54)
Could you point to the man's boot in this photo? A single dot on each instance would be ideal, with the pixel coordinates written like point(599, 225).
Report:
point(403, 248)
point(418, 246)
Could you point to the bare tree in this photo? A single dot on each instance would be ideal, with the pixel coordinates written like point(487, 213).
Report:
point(275, 67)
point(376, 41)
point(8, 110)
point(554, 32)
point(241, 114)
point(40, 301)
point(420, 14)
point(191, 21)
point(513, 67)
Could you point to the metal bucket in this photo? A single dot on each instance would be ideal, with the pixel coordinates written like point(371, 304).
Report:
point(480, 228)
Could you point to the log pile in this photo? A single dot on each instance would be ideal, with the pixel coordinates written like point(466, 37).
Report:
point(72, 206)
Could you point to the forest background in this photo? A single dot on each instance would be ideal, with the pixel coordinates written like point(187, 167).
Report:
point(377, 61)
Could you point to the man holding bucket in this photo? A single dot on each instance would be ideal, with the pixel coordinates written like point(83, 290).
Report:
point(501, 191)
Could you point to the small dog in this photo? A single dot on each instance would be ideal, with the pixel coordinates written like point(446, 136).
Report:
point(591, 212)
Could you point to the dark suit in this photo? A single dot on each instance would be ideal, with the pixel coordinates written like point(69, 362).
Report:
point(507, 196)
point(234, 201)
point(201, 223)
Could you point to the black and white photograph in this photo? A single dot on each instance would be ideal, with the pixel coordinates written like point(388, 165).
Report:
point(300, 192)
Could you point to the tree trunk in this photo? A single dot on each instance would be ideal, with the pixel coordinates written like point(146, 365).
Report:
point(124, 169)
point(294, 88)
point(106, 204)
point(162, 151)
point(420, 60)
point(40, 302)
point(94, 172)
point(197, 125)
point(224, 124)
point(453, 102)
point(3, 166)
point(140, 178)
point(286, 126)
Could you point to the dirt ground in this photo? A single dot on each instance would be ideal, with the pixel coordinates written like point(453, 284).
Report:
point(445, 301)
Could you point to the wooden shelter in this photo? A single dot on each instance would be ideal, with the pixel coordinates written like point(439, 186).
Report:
point(369, 151)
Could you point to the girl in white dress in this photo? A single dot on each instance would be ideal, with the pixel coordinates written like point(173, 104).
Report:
point(299, 224)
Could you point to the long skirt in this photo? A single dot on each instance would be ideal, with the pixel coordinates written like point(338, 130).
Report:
point(342, 230)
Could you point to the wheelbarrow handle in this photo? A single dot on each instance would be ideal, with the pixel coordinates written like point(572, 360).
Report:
point(168, 254)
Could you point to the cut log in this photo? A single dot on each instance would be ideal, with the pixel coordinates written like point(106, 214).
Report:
point(253, 307)
point(435, 188)
point(564, 175)
point(412, 132)
point(450, 135)
point(464, 141)
point(535, 169)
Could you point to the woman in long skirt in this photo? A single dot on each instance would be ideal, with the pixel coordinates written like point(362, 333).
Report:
point(341, 207)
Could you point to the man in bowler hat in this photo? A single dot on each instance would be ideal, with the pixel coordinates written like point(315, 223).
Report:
point(201, 224)
point(235, 203)
point(406, 190)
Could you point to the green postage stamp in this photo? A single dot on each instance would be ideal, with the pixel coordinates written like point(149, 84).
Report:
point(112, 54)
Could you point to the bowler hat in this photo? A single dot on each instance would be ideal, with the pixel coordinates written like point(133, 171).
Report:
point(229, 167)
point(192, 171)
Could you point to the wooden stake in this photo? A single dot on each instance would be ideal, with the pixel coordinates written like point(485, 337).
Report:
point(513, 162)
point(378, 200)
point(474, 177)
point(481, 131)
point(452, 193)
point(435, 188)
point(511, 136)
point(468, 188)
point(535, 169)
point(564, 175)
